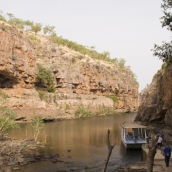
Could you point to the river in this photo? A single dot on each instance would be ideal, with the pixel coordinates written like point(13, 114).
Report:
point(81, 144)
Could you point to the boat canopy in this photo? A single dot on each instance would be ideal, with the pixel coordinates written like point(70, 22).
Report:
point(132, 125)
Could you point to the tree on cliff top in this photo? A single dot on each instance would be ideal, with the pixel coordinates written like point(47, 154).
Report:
point(36, 27)
point(164, 52)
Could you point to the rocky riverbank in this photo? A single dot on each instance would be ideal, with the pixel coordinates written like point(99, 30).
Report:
point(15, 153)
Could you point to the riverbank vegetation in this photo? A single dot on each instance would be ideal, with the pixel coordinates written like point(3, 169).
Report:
point(37, 125)
point(105, 111)
point(82, 111)
point(7, 116)
point(8, 119)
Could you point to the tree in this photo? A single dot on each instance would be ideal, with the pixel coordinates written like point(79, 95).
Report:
point(106, 55)
point(121, 63)
point(17, 22)
point(36, 27)
point(28, 25)
point(110, 148)
point(10, 16)
point(37, 125)
point(45, 79)
point(49, 30)
point(7, 119)
point(164, 52)
point(2, 18)
point(7, 115)
point(152, 151)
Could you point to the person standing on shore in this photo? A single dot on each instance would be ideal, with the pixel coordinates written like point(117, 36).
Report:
point(167, 155)
point(159, 142)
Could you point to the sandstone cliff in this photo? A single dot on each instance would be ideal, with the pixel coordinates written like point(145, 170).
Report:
point(155, 104)
point(79, 79)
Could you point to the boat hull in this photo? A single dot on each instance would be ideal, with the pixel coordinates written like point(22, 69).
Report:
point(132, 145)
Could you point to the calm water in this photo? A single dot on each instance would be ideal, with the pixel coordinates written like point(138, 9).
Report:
point(86, 140)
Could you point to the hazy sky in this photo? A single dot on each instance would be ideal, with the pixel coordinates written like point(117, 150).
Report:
point(125, 28)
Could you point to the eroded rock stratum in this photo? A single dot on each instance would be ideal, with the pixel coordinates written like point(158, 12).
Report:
point(155, 105)
point(79, 79)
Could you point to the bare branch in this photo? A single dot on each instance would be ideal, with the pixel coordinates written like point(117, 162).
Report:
point(110, 147)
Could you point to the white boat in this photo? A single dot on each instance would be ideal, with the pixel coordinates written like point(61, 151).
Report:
point(133, 135)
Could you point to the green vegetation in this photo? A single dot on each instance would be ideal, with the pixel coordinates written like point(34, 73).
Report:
point(7, 119)
point(34, 39)
point(36, 27)
point(3, 96)
point(114, 98)
point(67, 107)
point(86, 50)
point(45, 79)
point(164, 52)
point(7, 116)
point(26, 24)
point(42, 95)
point(49, 30)
point(105, 111)
point(82, 111)
point(37, 125)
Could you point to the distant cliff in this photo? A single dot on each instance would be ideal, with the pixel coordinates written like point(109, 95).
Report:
point(79, 80)
point(156, 99)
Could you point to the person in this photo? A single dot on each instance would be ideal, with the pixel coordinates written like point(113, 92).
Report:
point(167, 155)
point(159, 142)
point(162, 135)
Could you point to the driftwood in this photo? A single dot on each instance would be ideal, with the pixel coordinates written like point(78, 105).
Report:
point(109, 150)
point(152, 151)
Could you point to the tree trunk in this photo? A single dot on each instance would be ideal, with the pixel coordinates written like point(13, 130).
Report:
point(151, 153)
point(109, 150)
point(150, 158)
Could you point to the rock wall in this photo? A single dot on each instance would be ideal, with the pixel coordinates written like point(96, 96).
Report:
point(156, 106)
point(79, 79)
point(17, 59)
point(79, 74)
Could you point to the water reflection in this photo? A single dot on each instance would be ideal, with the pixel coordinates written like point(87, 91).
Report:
point(86, 140)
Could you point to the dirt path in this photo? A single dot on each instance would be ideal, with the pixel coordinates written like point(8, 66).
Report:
point(160, 166)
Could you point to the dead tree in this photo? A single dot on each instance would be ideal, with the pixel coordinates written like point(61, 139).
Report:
point(152, 151)
point(109, 150)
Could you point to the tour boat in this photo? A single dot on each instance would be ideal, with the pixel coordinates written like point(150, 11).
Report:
point(133, 135)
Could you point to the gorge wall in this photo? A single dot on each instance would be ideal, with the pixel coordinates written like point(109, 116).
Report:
point(155, 101)
point(79, 79)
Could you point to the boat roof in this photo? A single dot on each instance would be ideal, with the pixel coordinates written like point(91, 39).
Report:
point(132, 125)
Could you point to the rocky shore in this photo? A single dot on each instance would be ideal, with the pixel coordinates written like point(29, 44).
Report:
point(15, 153)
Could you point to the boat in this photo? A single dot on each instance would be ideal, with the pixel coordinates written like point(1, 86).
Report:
point(133, 135)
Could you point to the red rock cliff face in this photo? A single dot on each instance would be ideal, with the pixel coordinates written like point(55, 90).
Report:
point(79, 79)
point(156, 101)
point(76, 73)
point(17, 59)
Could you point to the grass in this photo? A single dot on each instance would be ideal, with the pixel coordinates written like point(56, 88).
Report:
point(82, 112)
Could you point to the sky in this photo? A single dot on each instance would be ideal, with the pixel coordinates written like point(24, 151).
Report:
point(127, 29)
